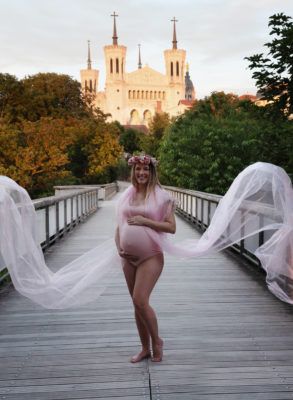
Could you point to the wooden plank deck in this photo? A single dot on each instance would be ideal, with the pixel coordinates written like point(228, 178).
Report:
point(226, 337)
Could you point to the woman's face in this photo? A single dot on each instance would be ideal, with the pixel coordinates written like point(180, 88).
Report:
point(142, 173)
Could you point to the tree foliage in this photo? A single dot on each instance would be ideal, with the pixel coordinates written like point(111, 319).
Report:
point(274, 72)
point(131, 139)
point(210, 144)
point(151, 142)
point(12, 98)
point(49, 134)
point(35, 154)
point(95, 150)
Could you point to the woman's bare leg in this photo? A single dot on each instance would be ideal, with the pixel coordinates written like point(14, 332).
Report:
point(146, 277)
point(130, 274)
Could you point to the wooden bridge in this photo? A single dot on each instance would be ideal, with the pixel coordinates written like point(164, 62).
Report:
point(226, 336)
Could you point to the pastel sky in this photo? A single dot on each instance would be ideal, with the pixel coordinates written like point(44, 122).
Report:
point(51, 36)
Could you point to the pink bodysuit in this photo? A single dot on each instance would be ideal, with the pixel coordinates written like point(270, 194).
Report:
point(134, 239)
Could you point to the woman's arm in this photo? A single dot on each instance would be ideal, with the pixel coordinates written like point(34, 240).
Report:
point(168, 226)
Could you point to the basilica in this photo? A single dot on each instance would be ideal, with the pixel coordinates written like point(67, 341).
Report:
point(132, 98)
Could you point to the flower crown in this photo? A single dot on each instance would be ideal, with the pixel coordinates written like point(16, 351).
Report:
point(142, 160)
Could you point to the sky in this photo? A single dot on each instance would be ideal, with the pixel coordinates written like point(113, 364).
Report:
point(51, 36)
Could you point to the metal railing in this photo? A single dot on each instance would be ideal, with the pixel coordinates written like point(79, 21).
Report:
point(198, 208)
point(59, 214)
point(106, 191)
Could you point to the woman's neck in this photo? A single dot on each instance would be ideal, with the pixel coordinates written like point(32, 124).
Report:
point(141, 189)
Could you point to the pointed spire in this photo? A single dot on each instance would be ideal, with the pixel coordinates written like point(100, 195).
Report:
point(139, 57)
point(89, 61)
point(115, 37)
point(174, 33)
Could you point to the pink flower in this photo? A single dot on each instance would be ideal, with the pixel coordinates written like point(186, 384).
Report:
point(130, 161)
point(146, 160)
point(135, 159)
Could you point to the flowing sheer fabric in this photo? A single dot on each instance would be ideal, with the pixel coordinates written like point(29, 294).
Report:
point(259, 199)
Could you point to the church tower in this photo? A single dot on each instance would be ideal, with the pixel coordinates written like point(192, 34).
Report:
point(115, 58)
point(89, 78)
point(175, 62)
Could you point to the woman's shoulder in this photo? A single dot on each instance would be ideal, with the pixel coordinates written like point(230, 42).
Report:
point(163, 193)
point(126, 196)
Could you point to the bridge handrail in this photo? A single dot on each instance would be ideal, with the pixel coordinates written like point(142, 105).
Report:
point(198, 208)
point(59, 214)
point(107, 190)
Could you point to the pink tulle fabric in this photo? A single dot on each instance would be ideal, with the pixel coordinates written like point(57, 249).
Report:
point(138, 240)
point(259, 199)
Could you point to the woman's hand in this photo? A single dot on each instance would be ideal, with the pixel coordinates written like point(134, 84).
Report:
point(137, 220)
point(127, 256)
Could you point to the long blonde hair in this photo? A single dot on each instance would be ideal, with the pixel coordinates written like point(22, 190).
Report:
point(153, 179)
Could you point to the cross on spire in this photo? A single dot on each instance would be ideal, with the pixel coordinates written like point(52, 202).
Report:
point(115, 37)
point(89, 61)
point(139, 57)
point(174, 33)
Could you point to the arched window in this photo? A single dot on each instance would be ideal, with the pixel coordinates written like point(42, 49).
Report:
point(91, 85)
point(95, 87)
point(142, 94)
point(129, 94)
point(159, 95)
point(138, 94)
point(133, 94)
point(117, 65)
point(155, 94)
point(171, 68)
point(111, 66)
point(177, 68)
point(134, 118)
point(151, 94)
point(147, 116)
point(164, 95)
point(85, 86)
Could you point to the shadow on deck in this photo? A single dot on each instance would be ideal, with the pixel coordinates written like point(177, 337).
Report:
point(226, 337)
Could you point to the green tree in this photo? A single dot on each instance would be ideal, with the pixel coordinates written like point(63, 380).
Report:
point(158, 127)
point(95, 151)
point(53, 95)
point(210, 144)
point(131, 140)
point(12, 99)
point(274, 72)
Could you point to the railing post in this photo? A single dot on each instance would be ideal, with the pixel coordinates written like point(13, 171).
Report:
point(261, 234)
point(47, 226)
point(65, 217)
point(201, 222)
point(71, 213)
point(57, 220)
point(209, 212)
point(242, 247)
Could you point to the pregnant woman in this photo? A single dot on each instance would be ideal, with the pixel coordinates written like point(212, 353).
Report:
point(144, 207)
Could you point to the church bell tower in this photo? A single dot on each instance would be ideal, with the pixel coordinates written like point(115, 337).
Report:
point(89, 78)
point(115, 58)
point(175, 63)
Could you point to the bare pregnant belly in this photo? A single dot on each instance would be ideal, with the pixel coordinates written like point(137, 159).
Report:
point(135, 241)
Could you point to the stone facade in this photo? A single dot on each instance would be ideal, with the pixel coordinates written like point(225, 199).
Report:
point(132, 98)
